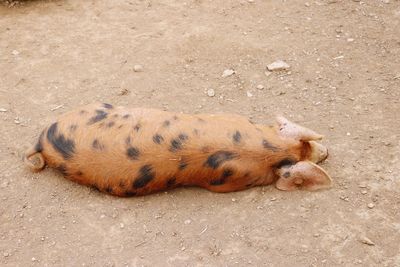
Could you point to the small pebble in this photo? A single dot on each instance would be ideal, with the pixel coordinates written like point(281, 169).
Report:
point(3, 110)
point(137, 68)
point(227, 73)
point(64, 227)
point(371, 205)
point(278, 65)
point(15, 52)
point(188, 222)
point(5, 254)
point(233, 199)
point(350, 40)
point(34, 259)
point(364, 192)
point(367, 241)
point(249, 94)
point(121, 225)
point(260, 87)
point(307, 4)
point(123, 92)
point(210, 92)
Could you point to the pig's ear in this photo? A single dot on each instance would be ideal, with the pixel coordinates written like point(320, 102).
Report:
point(290, 129)
point(302, 175)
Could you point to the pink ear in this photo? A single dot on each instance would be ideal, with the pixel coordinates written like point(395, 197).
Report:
point(290, 129)
point(304, 175)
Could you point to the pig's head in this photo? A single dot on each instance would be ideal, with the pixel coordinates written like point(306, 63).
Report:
point(304, 174)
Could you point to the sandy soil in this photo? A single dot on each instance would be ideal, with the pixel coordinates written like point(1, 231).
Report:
point(344, 82)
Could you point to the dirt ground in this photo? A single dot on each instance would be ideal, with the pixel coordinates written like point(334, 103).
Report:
point(344, 82)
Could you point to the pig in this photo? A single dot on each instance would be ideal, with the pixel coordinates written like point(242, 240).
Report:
point(137, 151)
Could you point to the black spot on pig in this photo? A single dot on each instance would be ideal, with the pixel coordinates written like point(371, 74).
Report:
point(145, 176)
point(237, 137)
point(132, 153)
point(219, 157)
point(176, 144)
point(222, 180)
point(100, 115)
point(65, 146)
point(97, 145)
point(158, 139)
point(182, 165)
point(285, 162)
point(268, 145)
point(137, 127)
point(166, 123)
point(171, 182)
point(183, 137)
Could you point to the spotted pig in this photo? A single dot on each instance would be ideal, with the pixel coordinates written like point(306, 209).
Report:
point(137, 151)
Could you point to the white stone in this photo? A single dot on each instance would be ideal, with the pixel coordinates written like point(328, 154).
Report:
point(137, 68)
point(278, 65)
point(210, 92)
point(227, 73)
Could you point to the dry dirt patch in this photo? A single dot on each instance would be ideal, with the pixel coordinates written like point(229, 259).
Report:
point(344, 82)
